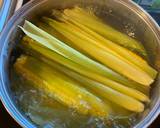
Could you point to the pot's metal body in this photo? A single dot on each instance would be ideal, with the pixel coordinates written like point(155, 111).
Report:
point(124, 12)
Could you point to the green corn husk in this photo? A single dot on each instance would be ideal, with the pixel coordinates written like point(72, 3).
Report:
point(60, 87)
point(82, 70)
point(67, 52)
point(90, 20)
point(84, 43)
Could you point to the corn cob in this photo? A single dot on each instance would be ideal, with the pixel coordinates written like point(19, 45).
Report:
point(124, 81)
point(84, 71)
point(102, 90)
point(121, 52)
point(66, 51)
point(84, 43)
point(60, 87)
point(98, 68)
point(90, 20)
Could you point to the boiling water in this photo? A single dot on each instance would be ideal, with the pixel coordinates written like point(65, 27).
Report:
point(43, 111)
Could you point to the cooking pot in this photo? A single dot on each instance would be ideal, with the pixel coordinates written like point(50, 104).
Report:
point(121, 14)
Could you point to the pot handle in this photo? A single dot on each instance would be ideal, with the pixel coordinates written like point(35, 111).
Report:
point(7, 9)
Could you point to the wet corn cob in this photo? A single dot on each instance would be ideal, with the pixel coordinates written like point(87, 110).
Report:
point(89, 19)
point(84, 43)
point(60, 87)
point(126, 102)
point(119, 51)
point(82, 70)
